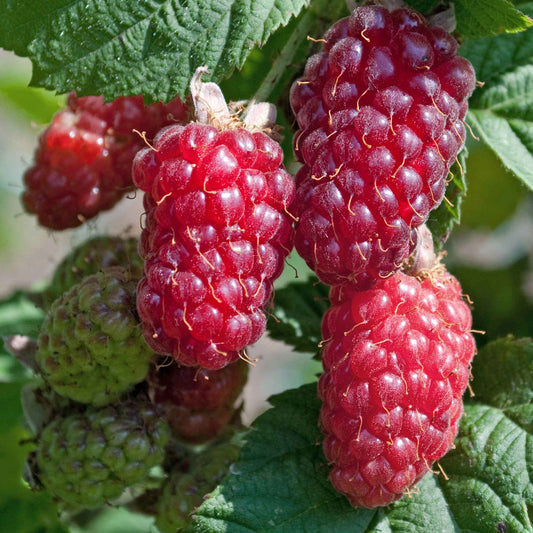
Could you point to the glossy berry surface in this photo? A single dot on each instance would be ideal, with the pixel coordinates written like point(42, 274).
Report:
point(396, 364)
point(217, 233)
point(83, 162)
point(380, 111)
point(197, 403)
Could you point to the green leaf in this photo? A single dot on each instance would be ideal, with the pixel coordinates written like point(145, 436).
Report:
point(37, 104)
point(489, 481)
point(492, 56)
point(297, 314)
point(498, 311)
point(22, 510)
point(280, 481)
point(18, 315)
point(12, 457)
point(490, 469)
point(512, 384)
point(11, 407)
point(503, 116)
point(131, 46)
point(33, 513)
point(489, 17)
point(442, 220)
point(502, 110)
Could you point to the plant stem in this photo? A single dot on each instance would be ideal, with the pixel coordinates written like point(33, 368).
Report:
point(285, 58)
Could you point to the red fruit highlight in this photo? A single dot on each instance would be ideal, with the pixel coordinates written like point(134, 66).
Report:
point(198, 403)
point(380, 111)
point(396, 364)
point(83, 163)
point(217, 233)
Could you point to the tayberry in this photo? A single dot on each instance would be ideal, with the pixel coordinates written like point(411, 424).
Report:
point(396, 364)
point(380, 111)
point(217, 233)
point(83, 163)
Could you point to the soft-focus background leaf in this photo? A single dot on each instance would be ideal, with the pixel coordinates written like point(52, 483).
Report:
point(489, 17)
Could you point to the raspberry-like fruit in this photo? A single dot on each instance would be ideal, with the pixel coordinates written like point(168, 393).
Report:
point(83, 162)
point(91, 347)
point(396, 363)
point(197, 403)
point(217, 233)
point(91, 257)
point(187, 486)
point(381, 114)
point(87, 459)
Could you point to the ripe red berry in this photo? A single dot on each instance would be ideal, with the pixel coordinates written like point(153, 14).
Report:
point(197, 403)
point(380, 111)
point(217, 233)
point(396, 363)
point(83, 162)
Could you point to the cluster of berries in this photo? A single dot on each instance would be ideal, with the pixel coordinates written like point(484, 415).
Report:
point(380, 110)
point(104, 409)
point(381, 115)
point(107, 405)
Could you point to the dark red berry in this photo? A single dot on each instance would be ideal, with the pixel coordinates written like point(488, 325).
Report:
point(380, 113)
point(396, 363)
point(217, 233)
point(197, 403)
point(83, 162)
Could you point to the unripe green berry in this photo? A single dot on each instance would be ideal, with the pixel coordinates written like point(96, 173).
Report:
point(78, 464)
point(91, 348)
point(89, 258)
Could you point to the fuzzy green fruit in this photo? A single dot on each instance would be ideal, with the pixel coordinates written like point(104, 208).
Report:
point(87, 459)
point(89, 258)
point(90, 348)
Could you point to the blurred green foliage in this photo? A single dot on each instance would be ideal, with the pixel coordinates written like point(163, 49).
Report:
point(500, 303)
point(493, 193)
point(37, 105)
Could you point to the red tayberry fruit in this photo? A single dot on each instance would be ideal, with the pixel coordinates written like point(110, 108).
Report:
point(380, 111)
point(83, 163)
point(396, 364)
point(217, 233)
point(197, 403)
